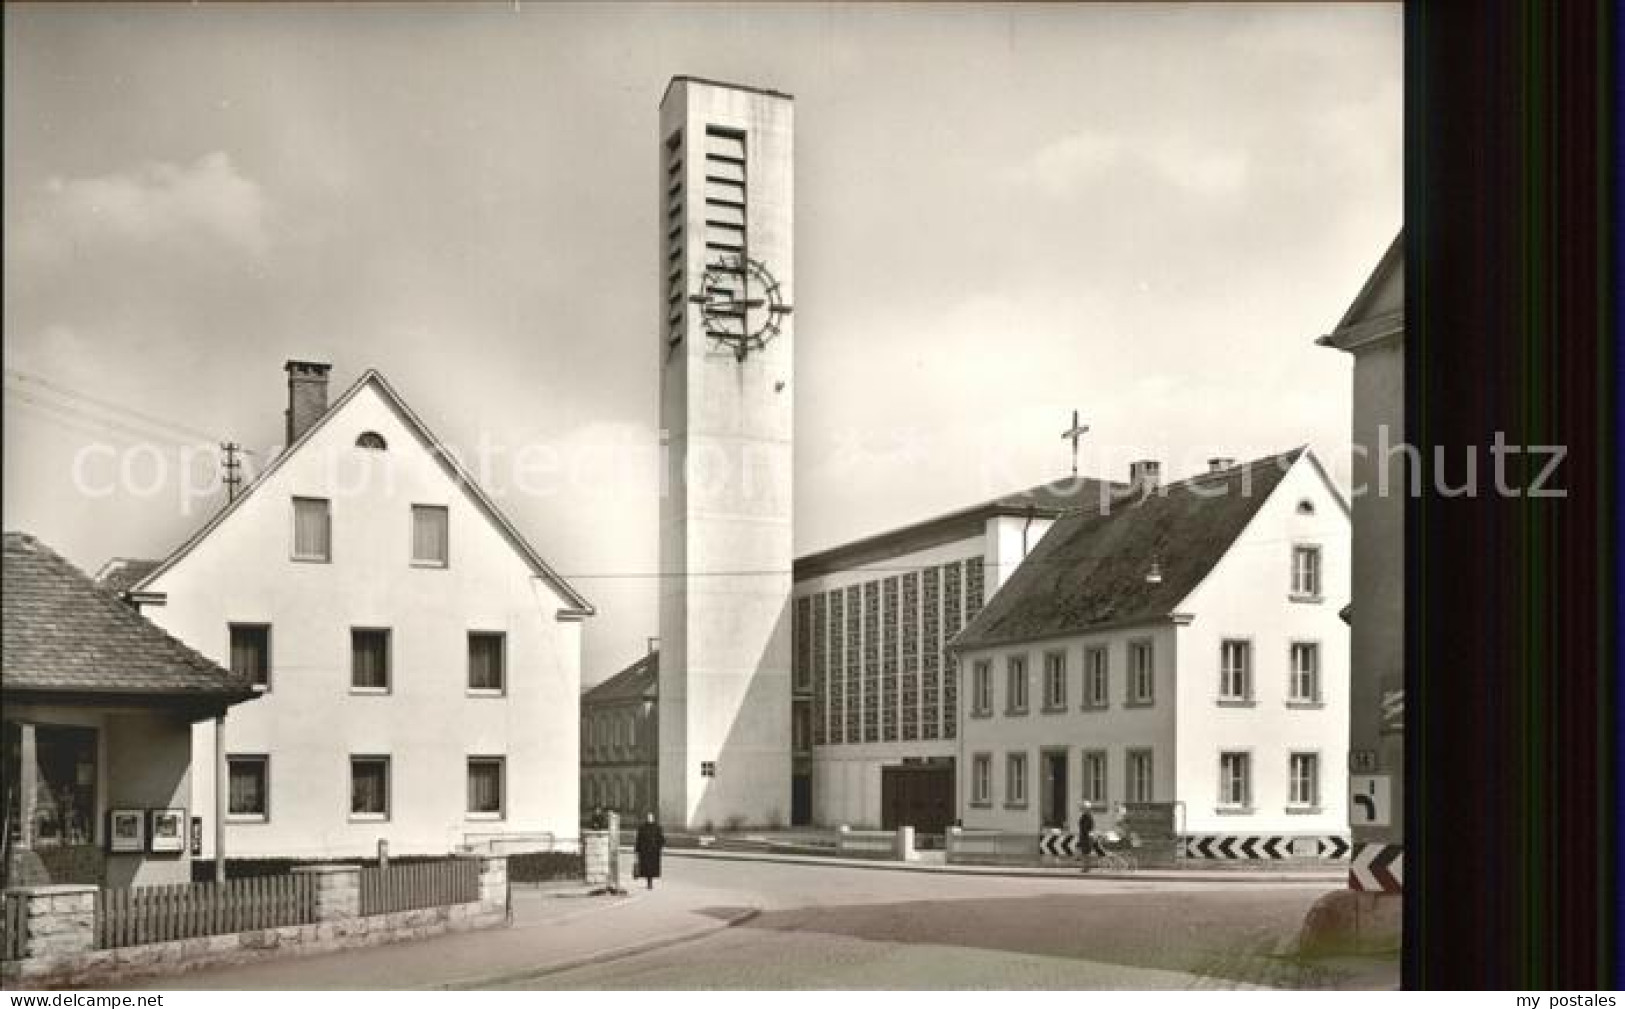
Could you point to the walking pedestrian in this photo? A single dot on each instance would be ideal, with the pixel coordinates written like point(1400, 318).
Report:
point(650, 841)
point(1086, 837)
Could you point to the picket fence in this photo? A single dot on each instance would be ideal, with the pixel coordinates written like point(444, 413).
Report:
point(409, 885)
point(14, 927)
point(140, 915)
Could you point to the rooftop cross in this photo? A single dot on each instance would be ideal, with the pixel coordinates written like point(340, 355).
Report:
point(1075, 432)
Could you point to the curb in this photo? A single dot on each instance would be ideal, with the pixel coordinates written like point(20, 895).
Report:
point(1263, 877)
point(593, 959)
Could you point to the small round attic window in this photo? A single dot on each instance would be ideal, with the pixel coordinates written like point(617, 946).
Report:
point(372, 440)
point(1306, 507)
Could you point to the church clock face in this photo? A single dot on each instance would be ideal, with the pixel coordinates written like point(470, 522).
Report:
point(741, 305)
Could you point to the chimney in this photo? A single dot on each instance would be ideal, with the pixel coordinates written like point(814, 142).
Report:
point(307, 396)
point(1144, 475)
point(654, 645)
point(1220, 464)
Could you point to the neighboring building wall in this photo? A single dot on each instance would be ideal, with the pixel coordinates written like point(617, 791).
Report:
point(1247, 597)
point(619, 756)
point(1116, 729)
point(875, 700)
point(143, 761)
point(310, 721)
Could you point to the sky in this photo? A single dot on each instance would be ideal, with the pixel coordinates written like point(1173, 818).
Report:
point(1004, 213)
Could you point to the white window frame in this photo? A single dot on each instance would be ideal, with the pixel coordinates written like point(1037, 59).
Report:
point(1134, 698)
point(1097, 678)
point(501, 762)
point(1308, 579)
point(1234, 676)
point(412, 545)
point(1015, 779)
point(1295, 697)
point(1055, 663)
point(982, 688)
point(502, 656)
point(1095, 770)
point(389, 787)
point(232, 628)
point(1228, 803)
point(1015, 676)
point(389, 660)
point(264, 760)
point(293, 532)
point(981, 793)
point(1297, 802)
point(1139, 768)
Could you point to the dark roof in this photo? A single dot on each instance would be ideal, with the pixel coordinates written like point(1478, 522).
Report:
point(1089, 570)
point(576, 604)
point(1044, 501)
point(64, 634)
point(639, 680)
point(121, 573)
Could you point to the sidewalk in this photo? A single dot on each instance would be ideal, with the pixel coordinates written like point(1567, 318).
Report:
point(1265, 877)
point(554, 928)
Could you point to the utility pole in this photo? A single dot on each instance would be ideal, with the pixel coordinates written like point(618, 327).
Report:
point(233, 467)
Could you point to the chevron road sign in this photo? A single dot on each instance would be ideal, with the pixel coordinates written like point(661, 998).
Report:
point(1063, 845)
point(1263, 847)
point(1377, 868)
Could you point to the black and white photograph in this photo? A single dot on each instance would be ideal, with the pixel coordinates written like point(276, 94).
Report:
point(664, 496)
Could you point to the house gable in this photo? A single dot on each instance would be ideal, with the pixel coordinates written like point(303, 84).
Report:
point(327, 462)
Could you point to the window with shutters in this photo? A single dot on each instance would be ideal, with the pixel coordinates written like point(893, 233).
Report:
point(1096, 678)
point(1304, 687)
point(1235, 671)
point(1054, 681)
point(982, 779)
point(312, 529)
point(1094, 777)
point(431, 532)
point(1015, 781)
point(1137, 765)
point(1235, 781)
point(1303, 777)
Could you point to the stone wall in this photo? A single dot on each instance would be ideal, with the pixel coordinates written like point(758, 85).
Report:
point(61, 945)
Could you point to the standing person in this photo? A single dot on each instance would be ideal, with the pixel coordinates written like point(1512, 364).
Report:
point(1086, 837)
point(651, 840)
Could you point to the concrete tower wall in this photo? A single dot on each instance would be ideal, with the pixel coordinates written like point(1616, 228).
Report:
point(725, 530)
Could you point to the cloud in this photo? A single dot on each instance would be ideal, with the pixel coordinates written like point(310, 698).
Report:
point(154, 203)
point(1062, 166)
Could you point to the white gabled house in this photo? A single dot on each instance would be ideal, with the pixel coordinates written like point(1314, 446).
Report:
point(420, 664)
point(1182, 644)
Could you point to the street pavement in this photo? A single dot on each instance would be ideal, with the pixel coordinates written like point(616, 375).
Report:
point(807, 926)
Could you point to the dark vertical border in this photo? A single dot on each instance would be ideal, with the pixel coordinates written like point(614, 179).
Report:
point(1511, 874)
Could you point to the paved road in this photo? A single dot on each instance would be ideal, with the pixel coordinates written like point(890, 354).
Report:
point(825, 927)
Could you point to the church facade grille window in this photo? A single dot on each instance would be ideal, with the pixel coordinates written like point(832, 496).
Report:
point(911, 656)
point(871, 662)
point(952, 599)
point(931, 619)
point(837, 680)
point(854, 695)
point(820, 628)
point(888, 661)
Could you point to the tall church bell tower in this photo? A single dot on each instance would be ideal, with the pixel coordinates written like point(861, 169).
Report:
point(726, 351)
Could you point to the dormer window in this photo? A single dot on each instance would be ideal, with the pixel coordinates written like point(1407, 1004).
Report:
point(372, 440)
